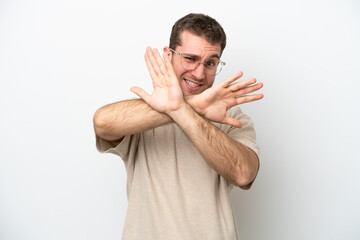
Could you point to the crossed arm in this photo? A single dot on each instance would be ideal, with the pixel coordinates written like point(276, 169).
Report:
point(231, 159)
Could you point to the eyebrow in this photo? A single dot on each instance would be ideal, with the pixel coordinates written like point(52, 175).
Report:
point(215, 55)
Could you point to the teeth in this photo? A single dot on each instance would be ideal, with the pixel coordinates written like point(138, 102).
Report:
point(192, 84)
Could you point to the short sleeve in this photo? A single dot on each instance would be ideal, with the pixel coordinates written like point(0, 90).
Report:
point(125, 148)
point(246, 134)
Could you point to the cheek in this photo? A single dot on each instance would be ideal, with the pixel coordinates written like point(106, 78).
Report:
point(177, 69)
point(180, 73)
point(210, 81)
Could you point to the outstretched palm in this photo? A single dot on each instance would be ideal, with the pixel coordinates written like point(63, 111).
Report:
point(214, 102)
point(167, 95)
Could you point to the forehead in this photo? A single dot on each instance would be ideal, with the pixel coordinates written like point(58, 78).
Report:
point(191, 43)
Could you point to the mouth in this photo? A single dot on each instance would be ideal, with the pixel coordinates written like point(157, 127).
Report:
point(192, 85)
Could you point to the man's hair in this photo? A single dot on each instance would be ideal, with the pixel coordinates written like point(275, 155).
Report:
point(200, 25)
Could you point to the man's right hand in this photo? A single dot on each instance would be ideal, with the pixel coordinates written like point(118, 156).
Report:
point(167, 95)
point(214, 102)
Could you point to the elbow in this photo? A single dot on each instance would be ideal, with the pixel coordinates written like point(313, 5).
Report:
point(246, 174)
point(245, 177)
point(244, 181)
point(104, 128)
point(99, 124)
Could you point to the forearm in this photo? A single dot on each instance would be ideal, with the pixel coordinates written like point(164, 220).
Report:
point(127, 117)
point(116, 120)
point(231, 159)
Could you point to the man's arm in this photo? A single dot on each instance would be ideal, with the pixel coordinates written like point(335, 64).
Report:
point(231, 159)
point(114, 121)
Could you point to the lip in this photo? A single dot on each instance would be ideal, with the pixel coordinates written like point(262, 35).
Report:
point(193, 88)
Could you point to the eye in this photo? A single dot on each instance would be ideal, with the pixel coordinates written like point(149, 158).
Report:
point(211, 63)
point(189, 59)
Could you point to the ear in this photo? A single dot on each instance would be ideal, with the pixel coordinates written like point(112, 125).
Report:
point(168, 52)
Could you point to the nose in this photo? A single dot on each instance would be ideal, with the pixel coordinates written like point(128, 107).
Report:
point(199, 72)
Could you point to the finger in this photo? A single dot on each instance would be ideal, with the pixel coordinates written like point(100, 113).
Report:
point(151, 70)
point(242, 84)
point(141, 93)
point(160, 62)
point(233, 122)
point(169, 66)
point(248, 89)
point(153, 61)
point(226, 82)
point(249, 98)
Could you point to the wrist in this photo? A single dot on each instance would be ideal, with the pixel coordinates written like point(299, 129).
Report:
point(192, 101)
point(179, 112)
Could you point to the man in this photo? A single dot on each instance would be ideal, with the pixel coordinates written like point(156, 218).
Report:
point(183, 150)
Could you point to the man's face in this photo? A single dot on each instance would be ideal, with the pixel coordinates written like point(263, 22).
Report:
point(197, 80)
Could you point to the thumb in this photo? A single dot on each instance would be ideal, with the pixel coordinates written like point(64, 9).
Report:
point(233, 122)
point(141, 93)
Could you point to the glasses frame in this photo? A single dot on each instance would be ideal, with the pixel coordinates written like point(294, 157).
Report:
point(220, 63)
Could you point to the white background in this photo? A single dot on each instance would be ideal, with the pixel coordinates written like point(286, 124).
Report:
point(61, 60)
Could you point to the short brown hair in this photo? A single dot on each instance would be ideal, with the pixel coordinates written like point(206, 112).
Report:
point(200, 25)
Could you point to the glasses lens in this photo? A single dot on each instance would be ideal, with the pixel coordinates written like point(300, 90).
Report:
point(215, 69)
point(219, 67)
point(190, 63)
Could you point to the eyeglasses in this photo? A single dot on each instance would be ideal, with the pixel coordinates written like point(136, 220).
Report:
point(191, 62)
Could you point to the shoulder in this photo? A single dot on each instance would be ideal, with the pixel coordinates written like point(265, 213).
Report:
point(238, 114)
